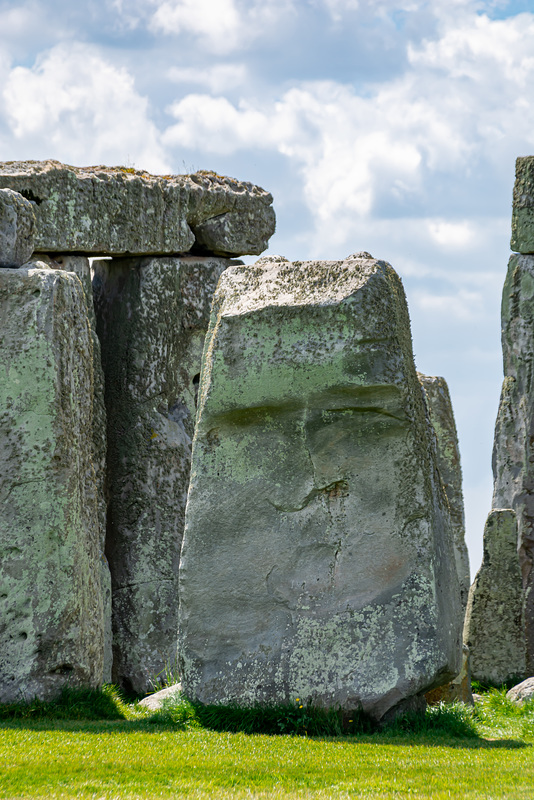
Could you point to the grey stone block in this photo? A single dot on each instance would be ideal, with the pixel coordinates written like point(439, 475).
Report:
point(494, 621)
point(51, 615)
point(119, 211)
point(317, 559)
point(17, 229)
point(152, 317)
point(522, 240)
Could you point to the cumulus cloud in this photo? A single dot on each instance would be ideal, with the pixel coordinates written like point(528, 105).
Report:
point(460, 104)
point(218, 78)
point(76, 106)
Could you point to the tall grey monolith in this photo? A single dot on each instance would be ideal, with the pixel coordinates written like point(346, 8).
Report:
point(494, 621)
point(152, 317)
point(51, 615)
point(317, 559)
point(448, 454)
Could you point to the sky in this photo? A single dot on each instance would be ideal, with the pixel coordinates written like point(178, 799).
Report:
point(391, 127)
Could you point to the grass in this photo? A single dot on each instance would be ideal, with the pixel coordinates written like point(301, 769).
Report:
point(62, 751)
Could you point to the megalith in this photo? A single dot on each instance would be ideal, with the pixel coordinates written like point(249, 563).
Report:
point(317, 559)
point(51, 613)
point(124, 211)
point(448, 455)
point(17, 229)
point(494, 623)
point(152, 317)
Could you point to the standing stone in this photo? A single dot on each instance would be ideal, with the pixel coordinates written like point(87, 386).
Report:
point(51, 617)
point(123, 211)
point(523, 206)
point(317, 559)
point(17, 229)
point(513, 451)
point(152, 317)
point(494, 624)
point(448, 455)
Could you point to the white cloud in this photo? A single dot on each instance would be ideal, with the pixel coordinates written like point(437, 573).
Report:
point(218, 78)
point(463, 305)
point(451, 234)
point(76, 106)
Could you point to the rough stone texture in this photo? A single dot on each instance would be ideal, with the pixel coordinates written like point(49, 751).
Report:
point(155, 701)
point(118, 211)
point(81, 267)
point(448, 453)
point(152, 317)
point(458, 689)
point(523, 691)
point(17, 229)
point(513, 451)
point(51, 617)
point(494, 623)
point(317, 559)
point(523, 206)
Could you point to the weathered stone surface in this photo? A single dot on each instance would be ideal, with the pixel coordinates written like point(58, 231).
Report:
point(119, 211)
point(17, 229)
point(523, 206)
point(458, 689)
point(448, 453)
point(494, 623)
point(51, 618)
point(317, 559)
point(523, 691)
point(513, 450)
point(155, 701)
point(152, 317)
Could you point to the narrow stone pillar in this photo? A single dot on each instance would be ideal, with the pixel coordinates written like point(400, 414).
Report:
point(448, 455)
point(152, 317)
point(317, 559)
point(51, 615)
point(494, 622)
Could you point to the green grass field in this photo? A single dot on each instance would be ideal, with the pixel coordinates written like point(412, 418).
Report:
point(451, 752)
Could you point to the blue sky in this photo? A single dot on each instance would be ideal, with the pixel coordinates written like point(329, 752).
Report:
point(391, 127)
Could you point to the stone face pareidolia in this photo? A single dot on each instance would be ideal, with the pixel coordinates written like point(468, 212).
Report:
point(51, 615)
point(122, 211)
point(17, 229)
point(494, 624)
point(317, 559)
point(152, 317)
point(513, 452)
point(448, 454)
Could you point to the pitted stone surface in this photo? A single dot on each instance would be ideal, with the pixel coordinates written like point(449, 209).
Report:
point(17, 229)
point(119, 211)
point(152, 317)
point(523, 206)
point(522, 691)
point(513, 450)
point(448, 453)
point(494, 622)
point(51, 618)
point(317, 559)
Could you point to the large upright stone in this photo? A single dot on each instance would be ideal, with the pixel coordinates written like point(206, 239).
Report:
point(513, 451)
point(494, 625)
point(317, 559)
point(17, 229)
point(152, 317)
point(523, 206)
point(121, 211)
point(448, 453)
point(51, 618)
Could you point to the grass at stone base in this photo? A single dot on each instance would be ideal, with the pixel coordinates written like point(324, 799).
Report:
point(486, 753)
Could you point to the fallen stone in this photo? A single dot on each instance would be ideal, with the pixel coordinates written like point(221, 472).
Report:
point(513, 450)
point(494, 621)
point(448, 453)
point(523, 691)
point(51, 616)
point(17, 229)
point(523, 206)
point(317, 559)
point(120, 211)
point(155, 701)
point(152, 317)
